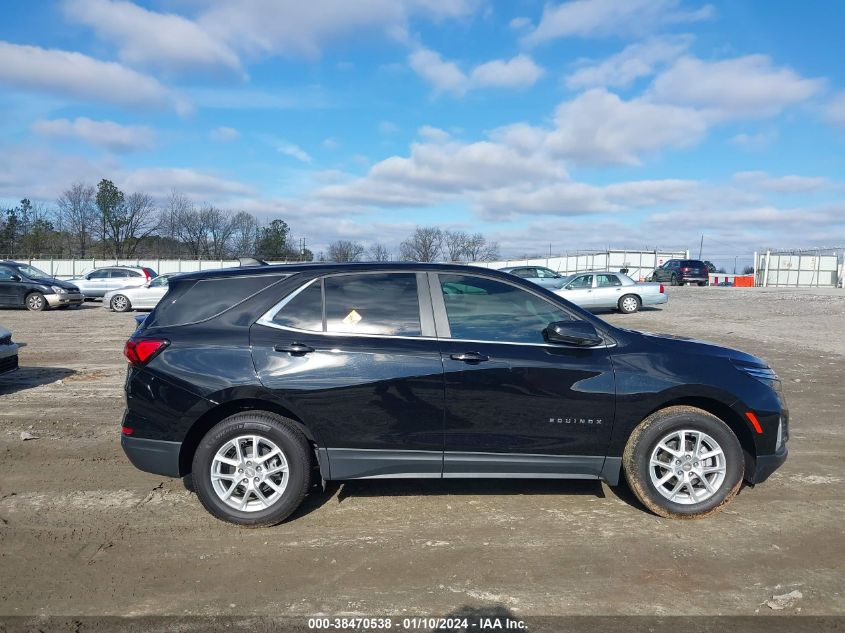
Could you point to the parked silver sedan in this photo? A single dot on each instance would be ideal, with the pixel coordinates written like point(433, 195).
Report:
point(539, 275)
point(605, 289)
point(144, 297)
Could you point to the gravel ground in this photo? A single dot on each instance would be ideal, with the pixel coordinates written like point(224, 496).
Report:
point(84, 533)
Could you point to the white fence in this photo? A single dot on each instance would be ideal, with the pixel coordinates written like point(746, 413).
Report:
point(799, 268)
point(638, 263)
point(69, 268)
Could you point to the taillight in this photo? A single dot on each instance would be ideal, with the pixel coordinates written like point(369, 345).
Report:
point(662, 289)
point(127, 430)
point(685, 269)
point(141, 352)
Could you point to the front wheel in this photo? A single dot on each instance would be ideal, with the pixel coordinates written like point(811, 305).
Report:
point(683, 463)
point(36, 302)
point(629, 304)
point(120, 303)
point(252, 469)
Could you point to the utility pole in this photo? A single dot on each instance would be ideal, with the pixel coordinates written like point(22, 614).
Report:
point(701, 246)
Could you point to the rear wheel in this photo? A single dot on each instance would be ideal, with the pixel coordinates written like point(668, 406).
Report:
point(629, 304)
point(674, 280)
point(683, 463)
point(36, 302)
point(252, 469)
point(120, 303)
point(703, 283)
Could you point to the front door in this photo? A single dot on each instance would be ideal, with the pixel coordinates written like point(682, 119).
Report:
point(357, 360)
point(579, 291)
point(515, 404)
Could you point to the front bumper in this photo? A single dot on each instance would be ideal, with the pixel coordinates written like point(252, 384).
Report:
point(8, 358)
point(64, 299)
point(767, 464)
point(153, 456)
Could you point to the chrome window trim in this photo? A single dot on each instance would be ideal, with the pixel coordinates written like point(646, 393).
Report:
point(267, 318)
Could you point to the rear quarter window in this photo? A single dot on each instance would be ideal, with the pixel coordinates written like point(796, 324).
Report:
point(193, 301)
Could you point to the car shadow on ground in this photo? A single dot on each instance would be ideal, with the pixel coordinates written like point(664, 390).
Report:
point(30, 377)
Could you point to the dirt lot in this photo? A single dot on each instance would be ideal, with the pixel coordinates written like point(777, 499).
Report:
point(84, 533)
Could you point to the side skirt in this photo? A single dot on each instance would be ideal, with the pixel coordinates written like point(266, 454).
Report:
point(355, 463)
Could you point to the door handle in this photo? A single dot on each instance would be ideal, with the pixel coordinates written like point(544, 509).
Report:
point(294, 349)
point(470, 357)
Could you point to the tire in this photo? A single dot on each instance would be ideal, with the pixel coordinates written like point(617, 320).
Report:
point(35, 302)
point(703, 283)
point(673, 281)
point(628, 304)
point(120, 303)
point(723, 473)
point(289, 486)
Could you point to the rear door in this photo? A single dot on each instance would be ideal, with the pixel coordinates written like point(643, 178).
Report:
point(515, 404)
point(124, 277)
point(607, 292)
point(355, 356)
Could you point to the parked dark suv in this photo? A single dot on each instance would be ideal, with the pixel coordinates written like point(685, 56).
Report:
point(253, 379)
point(22, 285)
point(678, 272)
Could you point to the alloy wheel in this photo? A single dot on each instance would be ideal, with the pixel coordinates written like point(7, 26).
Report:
point(687, 467)
point(249, 473)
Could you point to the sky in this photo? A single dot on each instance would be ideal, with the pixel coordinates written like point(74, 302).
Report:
point(545, 125)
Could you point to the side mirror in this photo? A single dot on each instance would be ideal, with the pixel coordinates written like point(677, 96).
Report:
point(15, 278)
point(578, 333)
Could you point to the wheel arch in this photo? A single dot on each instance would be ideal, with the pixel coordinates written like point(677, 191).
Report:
point(629, 294)
point(727, 415)
point(206, 421)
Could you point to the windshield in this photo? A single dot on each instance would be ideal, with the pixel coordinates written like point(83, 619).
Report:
point(32, 272)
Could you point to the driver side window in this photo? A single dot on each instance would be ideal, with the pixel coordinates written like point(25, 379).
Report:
point(482, 309)
point(99, 274)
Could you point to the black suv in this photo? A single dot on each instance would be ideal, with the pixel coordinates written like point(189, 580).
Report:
point(22, 285)
point(253, 379)
point(683, 271)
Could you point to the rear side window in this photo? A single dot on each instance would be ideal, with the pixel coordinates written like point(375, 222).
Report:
point(123, 272)
point(189, 302)
point(693, 263)
point(303, 311)
point(525, 273)
point(605, 281)
point(381, 303)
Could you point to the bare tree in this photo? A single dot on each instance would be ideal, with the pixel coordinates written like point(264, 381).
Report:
point(220, 227)
point(345, 251)
point(131, 222)
point(455, 243)
point(477, 249)
point(77, 215)
point(378, 252)
point(191, 230)
point(424, 245)
point(244, 234)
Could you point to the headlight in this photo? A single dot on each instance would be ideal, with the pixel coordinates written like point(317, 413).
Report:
point(58, 290)
point(779, 441)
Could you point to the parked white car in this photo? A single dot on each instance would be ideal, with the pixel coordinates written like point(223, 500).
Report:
point(137, 298)
point(606, 289)
point(8, 352)
point(96, 283)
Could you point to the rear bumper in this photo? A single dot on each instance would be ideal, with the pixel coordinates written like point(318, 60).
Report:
point(767, 464)
point(65, 299)
point(153, 456)
point(653, 300)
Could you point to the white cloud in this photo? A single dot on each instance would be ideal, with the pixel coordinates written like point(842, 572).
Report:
point(81, 77)
point(835, 109)
point(159, 181)
point(519, 23)
point(107, 134)
point(224, 134)
point(754, 141)
point(518, 72)
point(597, 127)
point(442, 75)
point(446, 76)
point(387, 128)
point(601, 18)
point(632, 63)
point(164, 41)
point(749, 86)
point(294, 151)
point(292, 27)
point(780, 184)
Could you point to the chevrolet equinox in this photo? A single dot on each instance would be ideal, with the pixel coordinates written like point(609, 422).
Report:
point(254, 380)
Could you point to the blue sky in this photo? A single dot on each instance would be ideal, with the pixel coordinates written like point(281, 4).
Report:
point(580, 124)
